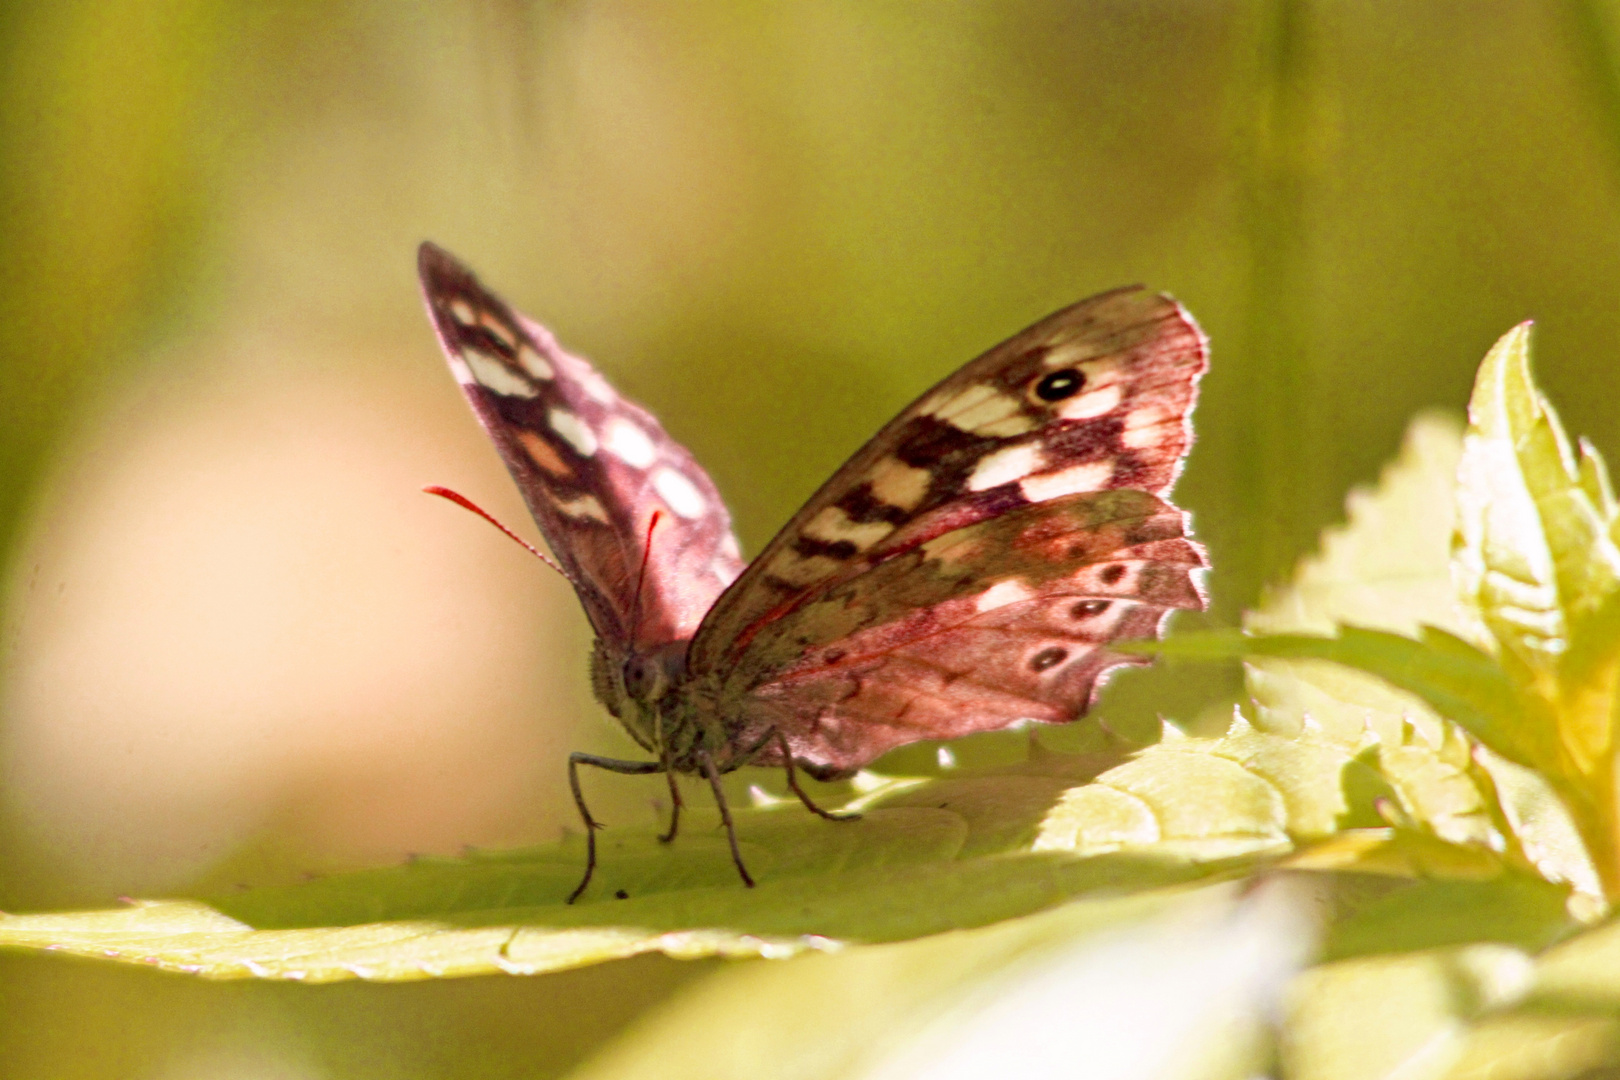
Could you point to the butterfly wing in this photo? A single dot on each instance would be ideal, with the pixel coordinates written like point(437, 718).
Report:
point(592, 466)
point(967, 567)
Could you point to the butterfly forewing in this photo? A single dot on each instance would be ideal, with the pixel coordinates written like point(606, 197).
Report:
point(1094, 397)
point(593, 467)
point(967, 567)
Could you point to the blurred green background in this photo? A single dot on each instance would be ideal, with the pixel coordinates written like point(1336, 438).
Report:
point(239, 645)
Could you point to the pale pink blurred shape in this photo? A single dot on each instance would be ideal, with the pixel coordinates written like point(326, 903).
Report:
point(237, 606)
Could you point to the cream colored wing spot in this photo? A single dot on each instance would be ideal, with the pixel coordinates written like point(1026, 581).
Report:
point(544, 454)
point(573, 430)
point(491, 374)
point(463, 312)
point(1006, 465)
point(729, 547)
point(535, 364)
point(1092, 403)
point(679, 493)
point(1001, 594)
point(584, 506)
point(984, 410)
point(898, 484)
point(1143, 426)
point(625, 440)
point(1092, 476)
point(833, 525)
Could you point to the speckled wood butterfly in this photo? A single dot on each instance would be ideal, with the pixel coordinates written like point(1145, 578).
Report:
point(964, 571)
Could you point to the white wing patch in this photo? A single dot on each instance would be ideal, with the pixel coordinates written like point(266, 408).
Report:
point(491, 374)
point(1005, 465)
point(577, 433)
point(585, 506)
point(535, 364)
point(1092, 476)
point(1091, 403)
point(679, 492)
point(627, 442)
point(1001, 594)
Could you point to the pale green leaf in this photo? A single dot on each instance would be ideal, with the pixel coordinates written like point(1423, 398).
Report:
point(1534, 550)
point(1453, 677)
point(929, 858)
point(1044, 995)
point(1396, 1015)
point(1527, 1012)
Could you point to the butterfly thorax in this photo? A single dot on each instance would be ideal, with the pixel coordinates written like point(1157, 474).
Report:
point(651, 694)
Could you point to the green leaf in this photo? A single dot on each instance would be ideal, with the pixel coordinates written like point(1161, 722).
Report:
point(927, 858)
point(1453, 677)
point(1534, 549)
point(1511, 909)
point(1046, 990)
point(1396, 1015)
point(1516, 1008)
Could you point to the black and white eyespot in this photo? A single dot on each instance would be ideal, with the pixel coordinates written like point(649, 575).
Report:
point(1059, 385)
point(1089, 609)
point(1048, 658)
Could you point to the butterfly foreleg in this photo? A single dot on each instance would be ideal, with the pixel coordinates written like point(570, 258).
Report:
point(629, 768)
point(706, 763)
point(793, 782)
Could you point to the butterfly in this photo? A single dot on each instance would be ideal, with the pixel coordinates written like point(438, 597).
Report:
point(964, 571)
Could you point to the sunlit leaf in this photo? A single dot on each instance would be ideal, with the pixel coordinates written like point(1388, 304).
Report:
point(1397, 1015)
point(1450, 675)
point(958, 852)
point(1534, 549)
point(1185, 975)
point(1515, 1009)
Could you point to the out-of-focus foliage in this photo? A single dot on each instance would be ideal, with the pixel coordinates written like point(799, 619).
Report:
point(235, 648)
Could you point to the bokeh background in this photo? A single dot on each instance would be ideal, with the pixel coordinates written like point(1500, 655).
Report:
point(239, 645)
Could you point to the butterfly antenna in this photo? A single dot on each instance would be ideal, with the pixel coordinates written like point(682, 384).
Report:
point(646, 556)
point(467, 504)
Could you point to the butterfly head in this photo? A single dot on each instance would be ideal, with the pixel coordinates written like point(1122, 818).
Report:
point(637, 687)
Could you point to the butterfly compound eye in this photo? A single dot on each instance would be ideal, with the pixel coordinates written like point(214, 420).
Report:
point(638, 677)
point(1060, 384)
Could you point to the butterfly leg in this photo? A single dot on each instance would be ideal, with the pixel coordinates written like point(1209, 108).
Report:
point(707, 763)
point(793, 782)
point(674, 803)
point(629, 768)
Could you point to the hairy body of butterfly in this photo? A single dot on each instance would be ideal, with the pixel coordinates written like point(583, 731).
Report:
point(964, 571)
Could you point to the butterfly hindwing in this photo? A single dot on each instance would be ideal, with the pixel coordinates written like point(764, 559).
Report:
point(593, 467)
point(1004, 620)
